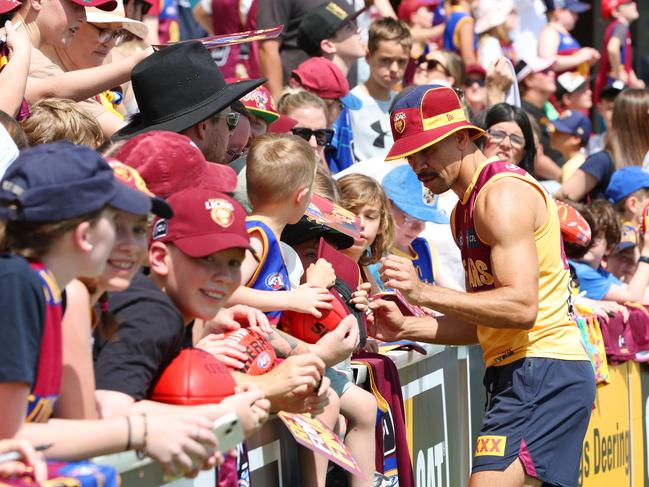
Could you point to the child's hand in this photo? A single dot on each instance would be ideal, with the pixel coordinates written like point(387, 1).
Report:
point(251, 406)
point(338, 345)
point(230, 319)
point(321, 274)
point(309, 299)
point(360, 297)
point(17, 39)
point(227, 351)
point(589, 55)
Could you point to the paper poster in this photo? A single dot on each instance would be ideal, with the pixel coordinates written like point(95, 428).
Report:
point(314, 435)
point(223, 40)
point(333, 216)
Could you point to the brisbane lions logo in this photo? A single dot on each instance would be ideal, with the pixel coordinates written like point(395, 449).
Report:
point(399, 122)
point(221, 211)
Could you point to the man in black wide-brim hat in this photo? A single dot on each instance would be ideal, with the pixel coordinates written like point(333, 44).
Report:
point(180, 89)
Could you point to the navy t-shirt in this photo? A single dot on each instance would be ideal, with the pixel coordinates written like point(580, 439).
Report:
point(151, 333)
point(22, 315)
point(601, 167)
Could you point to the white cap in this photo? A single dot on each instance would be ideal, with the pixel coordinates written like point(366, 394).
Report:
point(117, 16)
point(533, 64)
point(571, 82)
point(492, 13)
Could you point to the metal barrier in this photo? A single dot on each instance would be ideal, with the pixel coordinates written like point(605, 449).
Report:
point(444, 402)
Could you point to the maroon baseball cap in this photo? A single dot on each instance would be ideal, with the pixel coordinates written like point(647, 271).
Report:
point(8, 6)
point(475, 69)
point(323, 78)
point(283, 125)
point(106, 5)
point(204, 222)
point(170, 162)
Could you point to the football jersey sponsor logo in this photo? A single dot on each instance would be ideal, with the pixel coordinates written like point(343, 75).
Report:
point(490, 445)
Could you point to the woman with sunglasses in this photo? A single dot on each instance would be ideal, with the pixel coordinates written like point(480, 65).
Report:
point(310, 112)
point(96, 38)
point(509, 136)
point(440, 67)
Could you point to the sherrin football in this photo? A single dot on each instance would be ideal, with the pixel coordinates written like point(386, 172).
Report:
point(261, 355)
point(194, 377)
point(310, 329)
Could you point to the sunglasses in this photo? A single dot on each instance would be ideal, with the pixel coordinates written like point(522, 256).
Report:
point(106, 35)
point(323, 137)
point(231, 118)
point(431, 65)
point(473, 81)
point(517, 141)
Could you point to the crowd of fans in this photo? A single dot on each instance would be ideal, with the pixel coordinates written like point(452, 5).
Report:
point(153, 199)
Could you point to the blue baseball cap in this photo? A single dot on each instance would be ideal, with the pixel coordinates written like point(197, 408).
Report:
point(625, 181)
point(572, 5)
point(59, 181)
point(405, 190)
point(573, 122)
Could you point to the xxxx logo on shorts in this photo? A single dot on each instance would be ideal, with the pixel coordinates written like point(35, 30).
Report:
point(490, 445)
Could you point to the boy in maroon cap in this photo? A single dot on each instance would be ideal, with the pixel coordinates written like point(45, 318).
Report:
point(195, 261)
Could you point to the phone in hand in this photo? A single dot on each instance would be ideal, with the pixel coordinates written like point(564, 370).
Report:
point(228, 431)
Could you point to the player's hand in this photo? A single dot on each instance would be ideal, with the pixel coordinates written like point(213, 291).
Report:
point(227, 351)
point(319, 400)
point(360, 297)
point(338, 345)
point(310, 299)
point(31, 462)
point(321, 274)
point(388, 321)
point(399, 273)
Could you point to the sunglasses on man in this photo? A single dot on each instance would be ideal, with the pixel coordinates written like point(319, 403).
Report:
point(323, 137)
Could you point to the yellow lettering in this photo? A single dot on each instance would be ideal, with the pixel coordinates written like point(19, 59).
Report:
point(477, 273)
point(486, 278)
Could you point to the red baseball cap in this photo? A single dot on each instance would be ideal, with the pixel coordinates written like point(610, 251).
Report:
point(204, 222)
point(475, 69)
point(259, 102)
point(8, 6)
point(609, 5)
point(170, 162)
point(106, 5)
point(323, 78)
point(409, 7)
point(425, 116)
point(283, 125)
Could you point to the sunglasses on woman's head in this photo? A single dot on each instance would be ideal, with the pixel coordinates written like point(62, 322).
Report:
point(432, 65)
point(323, 137)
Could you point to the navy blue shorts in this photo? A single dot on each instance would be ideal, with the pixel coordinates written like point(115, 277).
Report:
point(538, 410)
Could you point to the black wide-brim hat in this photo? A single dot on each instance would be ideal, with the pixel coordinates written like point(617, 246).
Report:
point(178, 87)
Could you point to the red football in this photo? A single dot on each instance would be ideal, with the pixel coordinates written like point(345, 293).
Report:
point(261, 355)
point(310, 329)
point(194, 377)
point(574, 227)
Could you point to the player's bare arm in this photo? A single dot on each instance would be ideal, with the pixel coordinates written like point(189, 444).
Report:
point(507, 214)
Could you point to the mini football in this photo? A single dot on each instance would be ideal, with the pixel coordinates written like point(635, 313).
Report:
point(194, 377)
point(310, 329)
point(574, 227)
point(261, 355)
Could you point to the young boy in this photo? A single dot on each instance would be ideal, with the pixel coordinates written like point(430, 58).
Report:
point(388, 54)
point(617, 51)
point(574, 93)
point(599, 283)
point(569, 135)
point(628, 190)
point(279, 173)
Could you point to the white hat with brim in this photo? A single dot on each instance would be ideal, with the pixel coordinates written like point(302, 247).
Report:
point(490, 14)
point(533, 64)
point(117, 17)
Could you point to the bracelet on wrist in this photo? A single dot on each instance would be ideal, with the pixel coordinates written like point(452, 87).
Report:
point(643, 258)
point(129, 430)
point(141, 452)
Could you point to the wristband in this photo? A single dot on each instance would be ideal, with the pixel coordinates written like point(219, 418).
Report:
point(644, 259)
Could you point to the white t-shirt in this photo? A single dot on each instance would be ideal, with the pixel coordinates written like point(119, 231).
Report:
point(531, 20)
point(371, 126)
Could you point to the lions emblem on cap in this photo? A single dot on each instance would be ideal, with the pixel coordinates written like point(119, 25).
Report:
point(399, 122)
point(221, 211)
